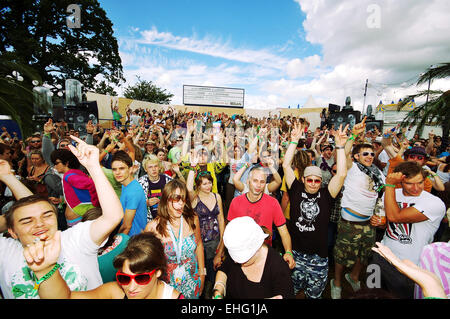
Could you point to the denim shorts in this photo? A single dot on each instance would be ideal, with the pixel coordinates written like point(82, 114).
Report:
point(310, 274)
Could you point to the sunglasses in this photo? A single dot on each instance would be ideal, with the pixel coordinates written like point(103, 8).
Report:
point(315, 181)
point(418, 157)
point(368, 153)
point(63, 145)
point(141, 279)
point(36, 141)
point(334, 171)
point(202, 173)
point(176, 198)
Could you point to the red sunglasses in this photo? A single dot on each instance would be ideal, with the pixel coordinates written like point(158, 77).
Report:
point(315, 181)
point(141, 279)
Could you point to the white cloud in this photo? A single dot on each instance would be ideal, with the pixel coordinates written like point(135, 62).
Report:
point(412, 36)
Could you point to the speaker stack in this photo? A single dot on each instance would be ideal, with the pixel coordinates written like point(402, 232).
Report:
point(77, 117)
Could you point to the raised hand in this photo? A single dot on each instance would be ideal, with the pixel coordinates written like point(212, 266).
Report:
point(360, 127)
point(88, 155)
point(49, 126)
point(297, 132)
point(340, 136)
point(395, 178)
point(5, 168)
point(90, 127)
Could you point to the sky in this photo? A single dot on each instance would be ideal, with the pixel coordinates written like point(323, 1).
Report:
point(284, 52)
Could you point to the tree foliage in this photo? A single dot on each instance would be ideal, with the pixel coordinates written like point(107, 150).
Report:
point(146, 91)
point(434, 112)
point(16, 97)
point(37, 34)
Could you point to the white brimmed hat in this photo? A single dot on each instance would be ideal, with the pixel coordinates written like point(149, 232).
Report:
point(243, 237)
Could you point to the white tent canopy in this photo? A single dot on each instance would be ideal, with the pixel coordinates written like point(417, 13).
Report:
point(311, 102)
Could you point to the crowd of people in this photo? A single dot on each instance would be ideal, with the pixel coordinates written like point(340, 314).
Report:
point(187, 205)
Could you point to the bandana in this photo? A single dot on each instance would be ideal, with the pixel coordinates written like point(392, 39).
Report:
point(374, 173)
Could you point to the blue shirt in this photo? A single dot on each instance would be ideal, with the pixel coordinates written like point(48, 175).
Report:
point(133, 197)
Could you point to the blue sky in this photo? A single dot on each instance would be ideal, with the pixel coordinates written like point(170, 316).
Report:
point(281, 52)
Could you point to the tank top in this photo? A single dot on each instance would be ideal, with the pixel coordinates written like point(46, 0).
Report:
point(209, 225)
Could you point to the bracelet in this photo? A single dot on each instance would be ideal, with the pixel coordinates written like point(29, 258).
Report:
point(389, 185)
point(46, 276)
point(292, 142)
point(218, 296)
point(290, 253)
point(221, 284)
point(201, 273)
point(340, 147)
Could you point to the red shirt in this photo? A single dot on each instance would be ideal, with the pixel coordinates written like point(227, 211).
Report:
point(266, 211)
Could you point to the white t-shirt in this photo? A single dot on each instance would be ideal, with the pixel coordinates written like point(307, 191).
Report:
point(358, 194)
point(78, 260)
point(134, 119)
point(406, 240)
point(384, 158)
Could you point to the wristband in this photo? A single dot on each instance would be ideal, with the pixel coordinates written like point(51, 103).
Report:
point(292, 142)
point(389, 185)
point(353, 137)
point(46, 276)
point(49, 135)
point(340, 147)
point(290, 253)
point(105, 151)
point(218, 296)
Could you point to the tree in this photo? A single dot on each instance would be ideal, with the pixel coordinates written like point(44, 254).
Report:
point(16, 92)
point(104, 88)
point(436, 110)
point(147, 91)
point(37, 33)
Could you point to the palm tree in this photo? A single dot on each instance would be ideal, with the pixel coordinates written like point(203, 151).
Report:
point(436, 109)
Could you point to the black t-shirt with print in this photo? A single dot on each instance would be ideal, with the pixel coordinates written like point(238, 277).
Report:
point(310, 215)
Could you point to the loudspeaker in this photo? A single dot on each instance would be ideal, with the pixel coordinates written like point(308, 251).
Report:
point(344, 118)
point(78, 117)
point(333, 108)
point(371, 124)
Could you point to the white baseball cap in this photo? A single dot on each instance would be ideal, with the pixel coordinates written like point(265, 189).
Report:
point(243, 237)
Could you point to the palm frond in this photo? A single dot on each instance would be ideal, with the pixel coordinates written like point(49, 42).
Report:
point(433, 73)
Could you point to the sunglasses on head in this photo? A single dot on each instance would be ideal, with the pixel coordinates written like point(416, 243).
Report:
point(202, 173)
point(418, 157)
point(176, 198)
point(141, 279)
point(368, 153)
point(315, 181)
